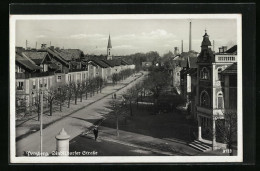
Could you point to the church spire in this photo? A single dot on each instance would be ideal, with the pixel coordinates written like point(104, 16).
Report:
point(109, 49)
point(109, 45)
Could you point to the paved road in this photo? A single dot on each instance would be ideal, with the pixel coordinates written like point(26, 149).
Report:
point(74, 125)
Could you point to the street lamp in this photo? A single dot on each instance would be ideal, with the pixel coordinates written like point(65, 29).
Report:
point(41, 94)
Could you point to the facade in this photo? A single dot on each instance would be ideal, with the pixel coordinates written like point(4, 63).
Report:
point(46, 68)
point(211, 95)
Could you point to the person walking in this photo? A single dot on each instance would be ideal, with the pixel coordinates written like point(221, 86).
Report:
point(115, 96)
point(95, 131)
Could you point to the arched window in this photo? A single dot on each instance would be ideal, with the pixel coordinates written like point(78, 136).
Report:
point(204, 73)
point(220, 104)
point(204, 99)
point(219, 73)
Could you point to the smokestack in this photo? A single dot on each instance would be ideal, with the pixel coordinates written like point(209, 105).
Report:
point(181, 46)
point(190, 38)
point(213, 46)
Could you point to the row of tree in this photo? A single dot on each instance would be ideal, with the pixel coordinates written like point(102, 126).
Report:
point(122, 75)
point(63, 95)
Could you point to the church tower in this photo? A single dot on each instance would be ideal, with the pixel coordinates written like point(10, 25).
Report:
point(109, 49)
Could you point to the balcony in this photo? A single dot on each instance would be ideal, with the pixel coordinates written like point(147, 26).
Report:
point(226, 58)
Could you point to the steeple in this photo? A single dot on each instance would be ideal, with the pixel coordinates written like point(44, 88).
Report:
point(205, 42)
point(109, 49)
point(109, 45)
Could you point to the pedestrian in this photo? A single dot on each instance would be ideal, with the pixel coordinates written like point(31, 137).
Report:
point(115, 95)
point(95, 131)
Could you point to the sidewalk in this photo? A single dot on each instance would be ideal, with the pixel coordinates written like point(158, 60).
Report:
point(74, 121)
point(23, 128)
point(148, 143)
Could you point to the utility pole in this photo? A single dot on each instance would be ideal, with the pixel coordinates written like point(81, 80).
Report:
point(41, 94)
point(190, 38)
point(213, 46)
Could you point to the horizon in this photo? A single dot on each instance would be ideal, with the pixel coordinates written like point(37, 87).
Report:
point(132, 36)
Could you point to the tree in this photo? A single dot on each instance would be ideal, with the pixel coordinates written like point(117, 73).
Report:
point(118, 109)
point(20, 106)
point(69, 93)
point(130, 96)
point(225, 128)
point(228, 128)
point(62, 95)
point(50, 95)
point(75, 90)
point(156, 81)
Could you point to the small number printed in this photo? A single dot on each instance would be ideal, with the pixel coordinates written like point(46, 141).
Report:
point(227, 151)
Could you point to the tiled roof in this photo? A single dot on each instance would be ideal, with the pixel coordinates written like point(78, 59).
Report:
point(70, 54)
point(232, 69)
point(26, 63)
point(57, 55)
point(109, 62)
point(100, 63)
point(37, 57)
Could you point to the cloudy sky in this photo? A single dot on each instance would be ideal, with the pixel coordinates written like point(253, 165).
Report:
point(128, 36)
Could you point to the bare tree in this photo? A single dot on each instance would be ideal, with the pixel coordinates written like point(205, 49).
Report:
point(75, 90)
point(69, 93)
point(62, 95)
point(50, 95)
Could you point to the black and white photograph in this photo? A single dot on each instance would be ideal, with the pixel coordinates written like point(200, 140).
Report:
point(126, 88)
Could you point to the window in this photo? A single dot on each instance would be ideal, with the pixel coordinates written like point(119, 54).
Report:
point(204, 74)
point(45, 82)
point(40, 82)
point(59, 78)
point(33, 84)
point(204, 99)
point(20, 85)
point(19, 69)
point(69, 78)
point(220, 103)
point(219, 74)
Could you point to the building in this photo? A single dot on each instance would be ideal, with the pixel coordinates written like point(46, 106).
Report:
point(212, 90)
point(48, 67)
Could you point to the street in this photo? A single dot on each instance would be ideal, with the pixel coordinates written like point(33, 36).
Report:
point(74, 125)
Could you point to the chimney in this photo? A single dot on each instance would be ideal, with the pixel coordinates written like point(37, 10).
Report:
point(176, 50)
point(190, 38)
point(181, 46)
point(224, 49)
point(213, 46)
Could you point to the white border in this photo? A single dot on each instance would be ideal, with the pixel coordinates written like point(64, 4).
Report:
point(121, 159)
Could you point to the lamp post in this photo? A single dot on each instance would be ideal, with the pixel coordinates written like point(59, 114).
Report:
point(41, 94)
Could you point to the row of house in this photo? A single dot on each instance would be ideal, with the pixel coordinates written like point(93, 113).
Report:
point(49, 67)
point(209, 83)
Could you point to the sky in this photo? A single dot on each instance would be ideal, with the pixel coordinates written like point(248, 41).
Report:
point(128, 36)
